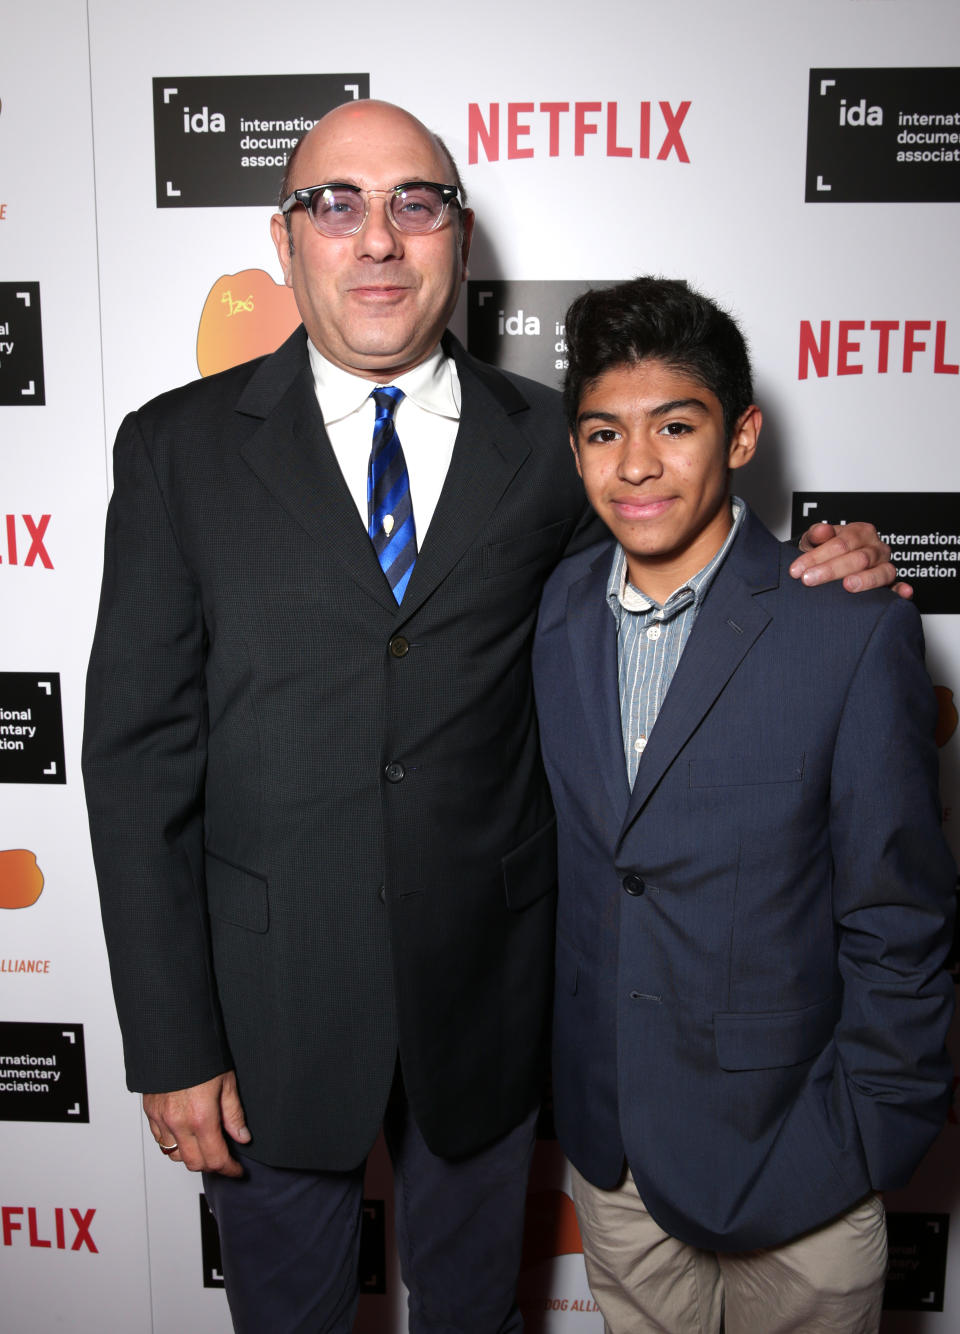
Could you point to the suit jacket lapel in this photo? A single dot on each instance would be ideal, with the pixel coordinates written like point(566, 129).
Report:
point(490, 448)
point(592, 638)
point(726, 628)
point(293, 458)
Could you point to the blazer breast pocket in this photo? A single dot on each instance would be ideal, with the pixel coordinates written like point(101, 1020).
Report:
point(542, 546)
point(746, 770)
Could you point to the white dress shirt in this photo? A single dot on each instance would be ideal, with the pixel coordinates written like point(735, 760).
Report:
point(427, 421)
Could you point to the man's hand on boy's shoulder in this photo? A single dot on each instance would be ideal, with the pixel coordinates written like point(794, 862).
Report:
point(852, 552)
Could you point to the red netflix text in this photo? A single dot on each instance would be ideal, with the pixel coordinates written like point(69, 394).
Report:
point(874, 345)
point(519, 130)
point(24, 536)
point(60, 1229)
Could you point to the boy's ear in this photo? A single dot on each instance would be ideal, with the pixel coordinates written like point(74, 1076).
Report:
point(743, 446)
point(576, 452)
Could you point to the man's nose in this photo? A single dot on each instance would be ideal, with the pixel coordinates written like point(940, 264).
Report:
point(639, 459)
point(378, 238)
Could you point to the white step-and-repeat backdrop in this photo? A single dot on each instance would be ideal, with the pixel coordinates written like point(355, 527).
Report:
point(801, 162)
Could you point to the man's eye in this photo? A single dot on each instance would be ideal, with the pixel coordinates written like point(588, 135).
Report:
point(603, 436)
point(676, 429)
point(336, 205)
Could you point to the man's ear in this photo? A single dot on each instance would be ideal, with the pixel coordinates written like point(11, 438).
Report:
point(467, 221)
point(743, 446)
point(576, 452)
point(284, 245)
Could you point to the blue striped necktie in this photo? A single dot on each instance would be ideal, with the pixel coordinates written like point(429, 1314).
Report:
point(389, 511)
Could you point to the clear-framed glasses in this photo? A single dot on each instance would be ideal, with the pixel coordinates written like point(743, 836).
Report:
point(339, 209)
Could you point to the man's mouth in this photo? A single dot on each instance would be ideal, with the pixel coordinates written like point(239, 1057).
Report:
point(641, 507)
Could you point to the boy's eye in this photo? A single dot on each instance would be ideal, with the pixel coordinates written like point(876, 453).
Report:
point(676, 428)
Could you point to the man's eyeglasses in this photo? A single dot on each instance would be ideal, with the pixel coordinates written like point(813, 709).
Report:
point(340, 210)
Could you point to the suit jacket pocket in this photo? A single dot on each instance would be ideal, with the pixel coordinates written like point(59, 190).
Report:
point(517, 552)
point(530, 870)
point(235, 895)
point(765, 1041)
point(740, 770)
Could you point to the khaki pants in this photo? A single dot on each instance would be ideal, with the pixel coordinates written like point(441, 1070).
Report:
point(647, 1282)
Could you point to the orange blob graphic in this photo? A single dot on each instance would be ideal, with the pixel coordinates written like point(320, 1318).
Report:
point(551, 1228)
point(21, 880)
point(946, 715)
point(245, 315)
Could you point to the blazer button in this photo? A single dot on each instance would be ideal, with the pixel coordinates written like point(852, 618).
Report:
point(634, 884)
point(399, 647)
point(394, 772)
point(381, 895)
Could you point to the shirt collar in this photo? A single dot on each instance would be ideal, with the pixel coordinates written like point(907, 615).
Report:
point(622, 594)
point(433, 385)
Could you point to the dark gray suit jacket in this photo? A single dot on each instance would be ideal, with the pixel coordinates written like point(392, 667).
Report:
point(320, 822)
point(751, 1003)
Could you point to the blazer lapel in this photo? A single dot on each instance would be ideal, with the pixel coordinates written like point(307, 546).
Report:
point(293, 458)
point(592, 638)
point(728, 625)
point(489, 449)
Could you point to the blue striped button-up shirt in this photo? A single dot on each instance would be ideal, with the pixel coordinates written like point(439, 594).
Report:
point(650, 639)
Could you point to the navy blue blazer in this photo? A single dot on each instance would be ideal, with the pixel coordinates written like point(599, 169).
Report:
point(751, 1003)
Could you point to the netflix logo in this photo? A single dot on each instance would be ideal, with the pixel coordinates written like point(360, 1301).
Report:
point(851, 347)
point(23, 540)
point(48, 1229)
point(511, 130)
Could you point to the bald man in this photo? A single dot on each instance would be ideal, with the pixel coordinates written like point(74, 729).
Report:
point(322, 832)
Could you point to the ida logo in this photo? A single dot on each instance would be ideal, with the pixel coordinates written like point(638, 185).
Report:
point(883, 135)
point(373, 1253)
point(48, 1229)
point(21, 344)
point(916, 1278)
point(859, 113)
point(21, 880)
point(245, 315)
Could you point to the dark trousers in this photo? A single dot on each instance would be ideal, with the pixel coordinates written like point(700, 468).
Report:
point(290, 1240)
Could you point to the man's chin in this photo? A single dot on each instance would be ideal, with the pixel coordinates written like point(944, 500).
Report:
point(380, 360)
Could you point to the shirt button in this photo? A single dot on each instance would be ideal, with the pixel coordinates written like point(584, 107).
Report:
point(653, 632)
point(634, 884)
point(394, 772)
point(640, 744)
point(399, 647)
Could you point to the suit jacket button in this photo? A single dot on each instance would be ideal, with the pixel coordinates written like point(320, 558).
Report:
point(634, 884)
point(399, 647)
point(381, 895)
point(394, 772)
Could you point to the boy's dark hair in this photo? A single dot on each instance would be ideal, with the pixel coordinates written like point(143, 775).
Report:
point(663, 319)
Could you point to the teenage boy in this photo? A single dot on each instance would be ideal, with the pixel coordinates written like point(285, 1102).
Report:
point(755, 894)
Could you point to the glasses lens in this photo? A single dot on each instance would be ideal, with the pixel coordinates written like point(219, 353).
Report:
point(416, 208)
point(338, 211)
